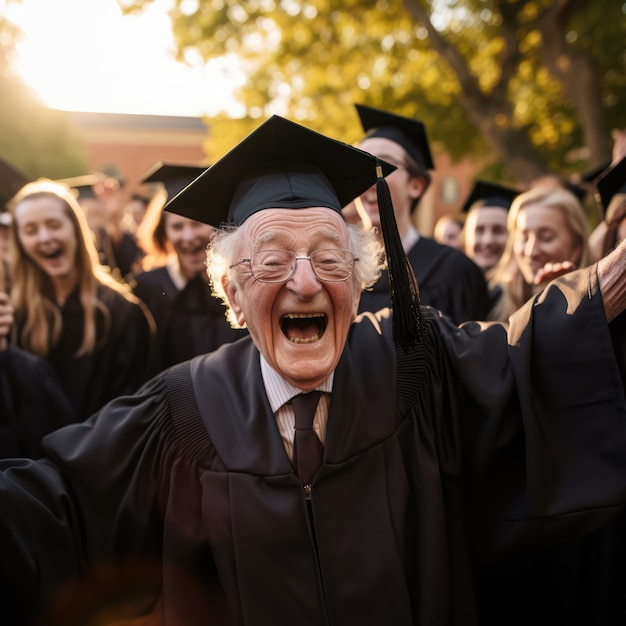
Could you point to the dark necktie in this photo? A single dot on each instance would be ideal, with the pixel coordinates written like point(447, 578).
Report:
point(307, 448)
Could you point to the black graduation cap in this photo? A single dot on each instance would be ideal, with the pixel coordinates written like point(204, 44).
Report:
point(284, 165)
point(11, 181)
point(82, 186)
point(174, 177)
point(611, 182)
point(409, 133)
point(492, 194)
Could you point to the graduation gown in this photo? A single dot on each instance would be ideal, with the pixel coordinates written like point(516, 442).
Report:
point(490, 443)
point(121, 361)
point(32, 403)
point(189, 322)
point(448, 281)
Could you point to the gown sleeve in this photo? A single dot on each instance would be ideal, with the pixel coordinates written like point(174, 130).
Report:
point(96, 497)
point(542, 421)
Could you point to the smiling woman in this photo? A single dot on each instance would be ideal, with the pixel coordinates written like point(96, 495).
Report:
point(96, 59)
point(68, 310)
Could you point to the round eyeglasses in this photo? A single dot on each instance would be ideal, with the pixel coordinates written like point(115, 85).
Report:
point(278, 266)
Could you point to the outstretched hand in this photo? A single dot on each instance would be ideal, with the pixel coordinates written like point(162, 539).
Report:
point(6, 319)
point(550, 271)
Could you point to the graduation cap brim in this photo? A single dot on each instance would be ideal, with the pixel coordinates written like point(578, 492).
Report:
point(174, 177)
point(611, 182)
point(280, 146)
point(409, 133)
point(82, 186)
point(11, 181)
point(492, 193)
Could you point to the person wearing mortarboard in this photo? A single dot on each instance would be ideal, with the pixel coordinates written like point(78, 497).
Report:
point(447, 279)
point(610, 194)
point(174, 283)
point(485, 233)
point(547, 237)
point(100, 198)
point(213, 495)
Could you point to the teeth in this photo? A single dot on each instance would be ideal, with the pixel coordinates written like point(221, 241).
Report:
point(293, 316)
point(307, 340)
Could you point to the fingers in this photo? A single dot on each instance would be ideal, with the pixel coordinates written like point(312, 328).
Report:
point(6, 316)
point(550, 271)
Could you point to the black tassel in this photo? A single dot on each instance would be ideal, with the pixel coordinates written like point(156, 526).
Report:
point(408, 323)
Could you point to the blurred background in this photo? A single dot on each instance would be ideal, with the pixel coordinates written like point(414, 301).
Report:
point(508, 90)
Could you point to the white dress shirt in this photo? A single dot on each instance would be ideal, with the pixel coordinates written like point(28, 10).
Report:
point(280, 392)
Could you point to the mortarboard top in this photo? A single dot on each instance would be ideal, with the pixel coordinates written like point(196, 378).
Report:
point(611, 182)
point(492, 194)
point(279, 165)
point(284, 165)
point(409, 133)
point(82, 186)
point(174, 177)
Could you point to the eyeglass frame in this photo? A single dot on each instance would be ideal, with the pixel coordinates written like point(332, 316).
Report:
point(293, 268)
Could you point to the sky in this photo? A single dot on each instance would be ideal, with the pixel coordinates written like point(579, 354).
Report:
point(83, 55)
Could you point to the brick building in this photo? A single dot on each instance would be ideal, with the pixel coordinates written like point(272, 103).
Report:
point(129, 144)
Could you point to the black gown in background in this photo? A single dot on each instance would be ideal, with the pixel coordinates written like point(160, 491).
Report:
point(478, 443)
point(121, 362)
point(32, 403)
point(448, 281)
point(189, 322)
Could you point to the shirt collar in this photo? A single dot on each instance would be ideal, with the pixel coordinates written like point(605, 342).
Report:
point(279, 391)
point(173, 269)
point(410, 239)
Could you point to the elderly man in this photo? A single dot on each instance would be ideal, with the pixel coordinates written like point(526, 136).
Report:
point(208, 498)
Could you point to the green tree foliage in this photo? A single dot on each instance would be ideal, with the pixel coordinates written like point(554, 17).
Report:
point(36, 140)
point(535, 84)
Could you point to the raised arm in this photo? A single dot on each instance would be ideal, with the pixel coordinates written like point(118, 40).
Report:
point(612, 281)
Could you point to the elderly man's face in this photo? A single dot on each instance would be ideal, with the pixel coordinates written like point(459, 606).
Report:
point(300, 326)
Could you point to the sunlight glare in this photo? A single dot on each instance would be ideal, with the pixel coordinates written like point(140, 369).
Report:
point(87, 56)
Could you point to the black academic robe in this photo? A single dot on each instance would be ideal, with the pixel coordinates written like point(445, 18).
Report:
point(32, 403)
point(448, 281)
point(121, 361)
point(490, 443)
point(189, 322)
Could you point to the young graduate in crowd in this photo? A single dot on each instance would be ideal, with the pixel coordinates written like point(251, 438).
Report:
point(485, 234)
point(548, 234)
point(447, 279)
point(68, 309)
point(189, 319)
point(100, 197)
point(424, 454)
point(448, 229)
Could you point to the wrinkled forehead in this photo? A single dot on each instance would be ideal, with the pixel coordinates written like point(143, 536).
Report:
point(290, 227)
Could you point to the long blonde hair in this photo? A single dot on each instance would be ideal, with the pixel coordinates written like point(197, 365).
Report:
point(32, 292)
point(507, 275)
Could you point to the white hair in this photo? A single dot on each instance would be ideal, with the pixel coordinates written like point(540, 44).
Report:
point(226, 244)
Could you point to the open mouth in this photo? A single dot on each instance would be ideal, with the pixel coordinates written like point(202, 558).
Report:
point(303, 327)
point(52, 254)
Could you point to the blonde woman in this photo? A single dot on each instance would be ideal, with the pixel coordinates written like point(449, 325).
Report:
point(68, 309)
point(548, 235)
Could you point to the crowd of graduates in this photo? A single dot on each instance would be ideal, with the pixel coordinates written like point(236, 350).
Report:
point(99, 296)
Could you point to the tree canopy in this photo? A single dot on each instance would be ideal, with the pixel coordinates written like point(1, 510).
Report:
point(536, 85)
